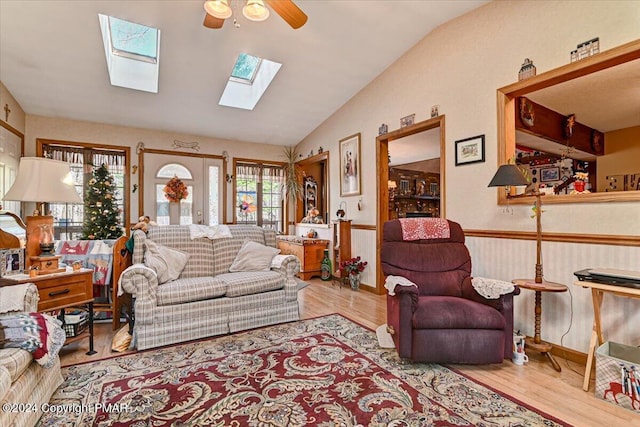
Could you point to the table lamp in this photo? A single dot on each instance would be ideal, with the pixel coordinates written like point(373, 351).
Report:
point(42, 181)
point(510, 175)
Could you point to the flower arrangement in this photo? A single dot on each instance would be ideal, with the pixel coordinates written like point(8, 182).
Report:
point(175, 190)
point(353, 265)
point(581, 176)
point(246, 205)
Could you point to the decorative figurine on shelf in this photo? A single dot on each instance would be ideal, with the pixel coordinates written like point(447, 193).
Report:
point(569, 123)
point(383, 129)
point(313, 217)
point(340, 213)
point(527, 70)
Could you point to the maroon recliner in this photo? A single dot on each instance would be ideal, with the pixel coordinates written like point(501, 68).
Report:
point(444, 319)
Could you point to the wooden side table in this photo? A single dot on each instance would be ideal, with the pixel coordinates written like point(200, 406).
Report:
point(536, 343)
point(59, 291)
point(309, 251)
point(597, 295)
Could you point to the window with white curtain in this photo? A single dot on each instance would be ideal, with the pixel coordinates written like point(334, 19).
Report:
point(69, 217)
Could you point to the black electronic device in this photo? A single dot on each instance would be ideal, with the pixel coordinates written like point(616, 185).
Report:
point(610, 276)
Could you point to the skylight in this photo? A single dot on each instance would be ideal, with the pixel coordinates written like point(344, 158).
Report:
point(133, 53)
point(250, 78)
point(246, 67)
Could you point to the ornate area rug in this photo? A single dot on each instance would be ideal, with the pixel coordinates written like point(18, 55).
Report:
point(322, 372)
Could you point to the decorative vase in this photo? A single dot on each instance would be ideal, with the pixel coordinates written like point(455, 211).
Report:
point(354, 281)
point(579, 186)
point(174, 213)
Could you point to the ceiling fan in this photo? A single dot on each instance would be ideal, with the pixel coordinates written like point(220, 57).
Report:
point(254, 10)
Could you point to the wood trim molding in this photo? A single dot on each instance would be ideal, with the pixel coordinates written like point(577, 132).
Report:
point(597, 239)
point(507, 95)
point(127, 166)
point(178, 153)
point(382, 178)
point(363, 227)
point(16, 132)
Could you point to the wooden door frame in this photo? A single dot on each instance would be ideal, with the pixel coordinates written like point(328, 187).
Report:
point(174, 153)
point(382, 161)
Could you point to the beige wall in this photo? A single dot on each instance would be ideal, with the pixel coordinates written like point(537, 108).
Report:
point(459, 66)
point(622, 154)
point(16, 116)
point(97, 133)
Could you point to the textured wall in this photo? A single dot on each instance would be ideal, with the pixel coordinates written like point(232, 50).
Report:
point(459, 66)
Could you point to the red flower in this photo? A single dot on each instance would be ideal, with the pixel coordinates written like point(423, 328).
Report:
point(353, 265)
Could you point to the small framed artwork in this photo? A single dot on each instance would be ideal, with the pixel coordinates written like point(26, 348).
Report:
point(549, 174)
point(11, 262)
point(470, 150)
point(407, 120)
point(350, 166)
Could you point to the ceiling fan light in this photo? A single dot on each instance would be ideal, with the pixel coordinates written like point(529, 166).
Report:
point(255, 10)
point(218, 8)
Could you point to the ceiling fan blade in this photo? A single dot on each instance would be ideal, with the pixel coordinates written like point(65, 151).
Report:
point(212, 21)
point(289, 12)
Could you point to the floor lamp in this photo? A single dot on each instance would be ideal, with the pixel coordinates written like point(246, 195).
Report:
point(42, 181)
point(507, 176)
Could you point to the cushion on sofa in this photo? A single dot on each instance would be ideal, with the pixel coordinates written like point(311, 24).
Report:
point(189, 290)
point(5, 381)
point(253, 256)
point(168, 263)
point(15, 360)
point(251, 282)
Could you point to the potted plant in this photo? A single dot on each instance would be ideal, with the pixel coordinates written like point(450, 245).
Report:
point(352, 268)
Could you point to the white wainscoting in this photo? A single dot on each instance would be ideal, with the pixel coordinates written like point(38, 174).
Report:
point(508, 259)
point(363, 244)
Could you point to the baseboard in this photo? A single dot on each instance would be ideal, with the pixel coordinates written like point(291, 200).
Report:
point(569, 354)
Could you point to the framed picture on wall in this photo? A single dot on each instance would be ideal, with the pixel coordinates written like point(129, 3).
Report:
point(470, 150)
point(350, 166)
point(549, 174)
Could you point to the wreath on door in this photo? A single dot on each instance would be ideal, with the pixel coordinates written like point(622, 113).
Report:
point(175, 190)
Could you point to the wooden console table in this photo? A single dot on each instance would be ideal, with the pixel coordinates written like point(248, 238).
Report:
point(59, 291)
point(536, 344)
point(597, 295)
point(309, 251)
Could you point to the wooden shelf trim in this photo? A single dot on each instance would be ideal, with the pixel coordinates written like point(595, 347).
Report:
point(598, 239)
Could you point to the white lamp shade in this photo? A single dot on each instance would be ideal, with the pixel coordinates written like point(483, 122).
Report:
point(255, 10)
point(43, 180)
point(218, 8)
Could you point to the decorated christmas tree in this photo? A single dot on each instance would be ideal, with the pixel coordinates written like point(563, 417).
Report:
point(101, 212)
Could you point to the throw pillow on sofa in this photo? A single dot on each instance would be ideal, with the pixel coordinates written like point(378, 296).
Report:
point(168, 263)
point(253, 256)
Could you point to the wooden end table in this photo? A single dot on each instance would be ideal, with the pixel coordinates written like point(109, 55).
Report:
point(59, 291)
point(536, 343)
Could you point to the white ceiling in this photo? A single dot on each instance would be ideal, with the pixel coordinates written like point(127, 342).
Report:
point(53, 62)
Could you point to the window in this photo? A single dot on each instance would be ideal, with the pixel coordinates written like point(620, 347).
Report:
point(249, 80)
point(163, 206)
point(259, 195)
point(132, 52)
point(69, 217)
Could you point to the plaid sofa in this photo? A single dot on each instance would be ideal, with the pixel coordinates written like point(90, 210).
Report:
point(23, 381)
point(207, 299)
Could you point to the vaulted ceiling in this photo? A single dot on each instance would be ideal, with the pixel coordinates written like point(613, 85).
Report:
point(52, 61)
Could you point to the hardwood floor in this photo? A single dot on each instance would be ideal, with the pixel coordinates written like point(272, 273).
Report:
point(557, 393)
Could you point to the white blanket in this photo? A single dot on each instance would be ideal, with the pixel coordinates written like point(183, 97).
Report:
point(209, 231)
point(12, 297)
point(491, 288)
point(391, 282)
point(131, 267)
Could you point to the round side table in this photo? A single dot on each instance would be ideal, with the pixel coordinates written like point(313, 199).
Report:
point(536, 342)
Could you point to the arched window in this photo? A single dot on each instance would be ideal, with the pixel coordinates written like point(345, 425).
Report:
point(174, 169)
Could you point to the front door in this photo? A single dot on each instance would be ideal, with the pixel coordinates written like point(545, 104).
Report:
point(201, 175)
